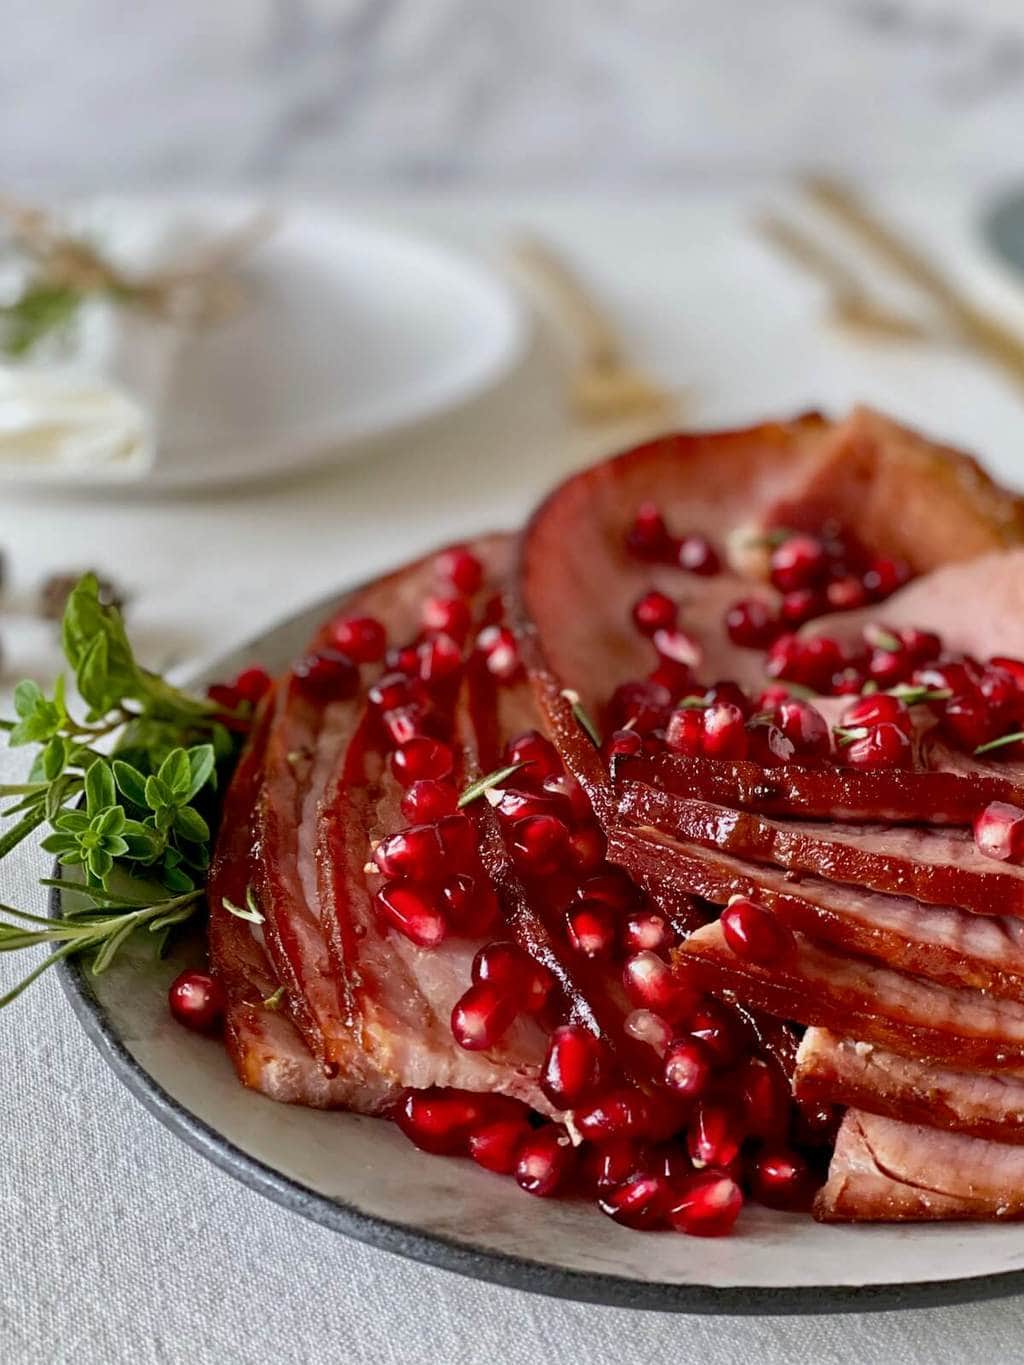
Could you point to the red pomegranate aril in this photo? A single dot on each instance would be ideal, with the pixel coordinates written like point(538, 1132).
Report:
point(799, 562)
point(501, 654)
point(405, 723)
point(427, 800)
point(649, 1028)
point(538, 756)
point(685, 733)
point(650, 985)
point(675, 646)
point(622, 744)
point(780, 1178)
point(810, 662)
point(394, 690)
point(458, 840)
point(921, 645)
point(544, 1161)
point(446, 616)
point(884, 746)
point(1014, 667)
point(362, 638)
point(459, 567)
point(764, 1098)
point(718, 1028)
point(848, 682)
point(801, 605)
point(706, 1205)
point(495, 1145)
point(1000, 690)
point(413, 910)
point(471, 907)
point(648, 537)
point(327, 675)
point(612, 887)
point(422, 758)
point(591, 929)
point(751, 624)
point(439, 657)
point(607, 1164)
point(713, 1136)
point(944, 675)
point(999, 832)
point(197, 1001)
point(252, 684)
point(506, 966)
point(754, 934)
point(623, 1112)
point(565, 789)
point(697, 555)
point(688, 1067)
point(573, 1066)
point(875, 709)
point(640, 1202)
point(968, 721)
point(846, 594)
point(654, 611)
point(643, 706)
point(482, 1016)
point(647, 931)
point(885, 576)
point(727, 692)
point(511, 804)
point(887, 667)
point(805, 727)
point(415, 852)
point(438, 1120)
point(540, 845)
point(725, 732)
point(677, 679)
point(587, 846)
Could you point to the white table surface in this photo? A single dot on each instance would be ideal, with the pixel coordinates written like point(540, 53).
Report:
point(117, 1243)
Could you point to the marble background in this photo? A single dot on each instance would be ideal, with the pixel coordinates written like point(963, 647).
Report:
point(364, 93)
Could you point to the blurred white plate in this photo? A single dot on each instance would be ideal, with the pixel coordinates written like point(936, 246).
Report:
point(349, 331)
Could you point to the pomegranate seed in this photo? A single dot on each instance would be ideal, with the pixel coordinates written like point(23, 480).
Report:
point(650, 985)
point(515, 973)
point(457, 837)
point(848, 682)
point(540, 845)
point(439, 1120)
point(769, 746)
point(607, 1164)
point(427, 800)
point(805, 728)
point(944, 675)
point(885, 576)
point(846, 594)
point(648, 537)
point(647, 1027)
point(413, 911)
point(713, 1136)
point(481, 1016)
point(392, 691)
point(750, 624)
point(780, 1178)
point(544, 1161)
point(718, 1028)
point(568, 791)
point(763, 1097)
point(439, 657)
point(538, 756)
point(922, 645)
point(495, 1145)
point(617, 1113)
point(362, 638)
point(403, 660)
point(677, 679)
point(197, 1001)
point(677, 648)
point(999, 832)
point(799, 562)
point(643, 706)
point(771, 698)
point(422, 758)
point(967, 720)
point(999, 688)
point(252, 684)
point(591, 929)
point(688, 1066)
point(754, 934)
point(707, 1205)
point(874, 710)
point(685, 733)
point(808, 662)
point(884, 746)
point(654, 611)
point(461, 568)
point(729, 693)
point(405, 723)
point(622, 744)
point(573, 1066)
point(587, 846)
point(446, 616)
point(698, 555)
point(1014, 667)
point(887, 667)
point(801, 605)
point(501, 654)
point(327, 675)
point(415, 852)
point(647, 931)
point(725, 731)
point(640, 1202)
point(613, 887)
point(472, 908)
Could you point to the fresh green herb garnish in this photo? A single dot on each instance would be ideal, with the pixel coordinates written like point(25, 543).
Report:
point(914, 696)
point(582, 719)
point(1000, 743)
point(138, 806)
point(484, 784)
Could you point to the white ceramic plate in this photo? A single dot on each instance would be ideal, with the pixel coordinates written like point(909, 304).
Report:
point(349, 332)
point(361, 1177)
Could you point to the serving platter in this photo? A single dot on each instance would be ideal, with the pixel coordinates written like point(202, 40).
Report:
point(360, 1176)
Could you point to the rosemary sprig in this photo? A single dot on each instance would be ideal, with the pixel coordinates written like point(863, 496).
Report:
point(1000, 743)
point(482, 785)
point(583, 720)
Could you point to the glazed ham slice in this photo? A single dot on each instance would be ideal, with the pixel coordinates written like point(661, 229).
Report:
point(835, 1070)
point(944, 944)
point(937, 867)
point(883, 1171)
point(862, 999)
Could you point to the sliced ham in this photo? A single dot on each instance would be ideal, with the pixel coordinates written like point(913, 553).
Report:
point(883, 1171)
point(946, 945)
point(862, 999)
point(860, 1075)
point(937, 867)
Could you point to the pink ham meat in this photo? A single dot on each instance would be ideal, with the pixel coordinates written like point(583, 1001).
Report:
point(946, 945)
point(937, 867)
point(834, 1070)
point(862, 999)
point(883, 1171)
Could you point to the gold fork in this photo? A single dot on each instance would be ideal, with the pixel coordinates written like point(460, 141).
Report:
point(605, 386)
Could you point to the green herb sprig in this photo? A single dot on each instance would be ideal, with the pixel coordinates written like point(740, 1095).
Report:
point(126, 789)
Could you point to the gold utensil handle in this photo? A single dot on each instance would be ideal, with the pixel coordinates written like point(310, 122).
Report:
point(590, 325)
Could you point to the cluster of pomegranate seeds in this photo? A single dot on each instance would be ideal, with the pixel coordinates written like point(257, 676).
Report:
point(999, 832)
point(875, 733)
point(245, 691)
point(326, 675)
point(649, 539)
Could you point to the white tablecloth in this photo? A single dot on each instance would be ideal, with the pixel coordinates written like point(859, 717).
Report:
point(117, 1243)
